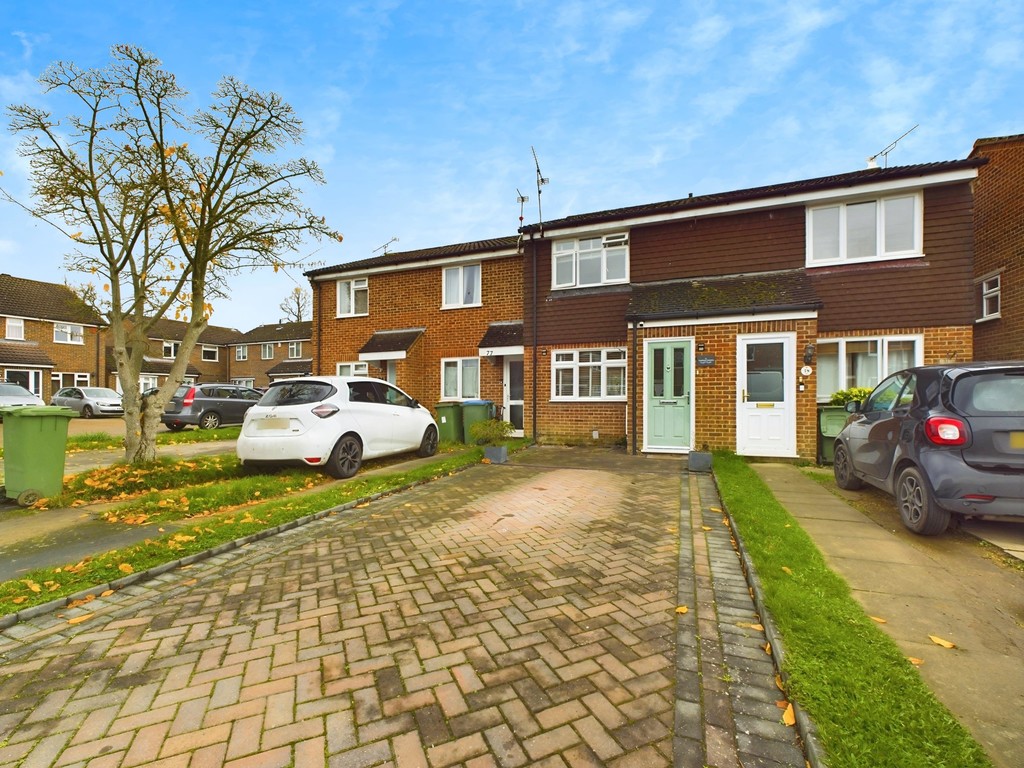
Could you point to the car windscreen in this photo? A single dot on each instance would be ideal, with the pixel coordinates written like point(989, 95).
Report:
point(297, 393)
point(990, 394)
point(99, 392)
point(14, 390)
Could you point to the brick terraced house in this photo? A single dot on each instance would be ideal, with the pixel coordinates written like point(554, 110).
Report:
point(444, 324)
point(270, 352)
point(51, 338)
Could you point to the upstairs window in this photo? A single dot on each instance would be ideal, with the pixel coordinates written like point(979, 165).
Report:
point(590, 261)
point(294, 350)
point(461, 286)
point(241, 352)
point(353, 297)
point(865, 230)
point(210, 353)
point(990, 302)
point(171, 349)
point(66, 333)
point(266, 351)
point(15, 328)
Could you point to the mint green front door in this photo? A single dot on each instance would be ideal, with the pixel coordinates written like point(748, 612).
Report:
point(668, 384)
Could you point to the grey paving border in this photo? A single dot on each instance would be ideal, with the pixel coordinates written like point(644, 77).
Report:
point(813, 749)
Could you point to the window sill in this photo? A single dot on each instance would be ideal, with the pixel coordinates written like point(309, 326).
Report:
point(988, 319)
point(343, 317)
point(588, 399)
point(869, 260)
point(460, 306)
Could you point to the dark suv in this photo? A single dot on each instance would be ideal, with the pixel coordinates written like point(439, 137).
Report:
point(942, 439)
point(208, 406)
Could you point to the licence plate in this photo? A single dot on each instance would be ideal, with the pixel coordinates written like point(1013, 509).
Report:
point(272, 424)
point(1017, 440)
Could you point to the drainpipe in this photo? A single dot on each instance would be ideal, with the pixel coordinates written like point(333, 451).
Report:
point(533, 326)
point(633, 395)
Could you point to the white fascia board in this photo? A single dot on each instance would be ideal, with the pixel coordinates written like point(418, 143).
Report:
point(370, 356)
point(408, 266)
point(495, 351)
point(812, 197)
point(729, 319)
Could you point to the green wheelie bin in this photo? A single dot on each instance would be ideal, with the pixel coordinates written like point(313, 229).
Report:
point(449, 422)
point(35, 442)
point(472, 412)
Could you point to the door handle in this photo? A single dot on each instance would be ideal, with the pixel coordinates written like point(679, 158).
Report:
point(744, 395)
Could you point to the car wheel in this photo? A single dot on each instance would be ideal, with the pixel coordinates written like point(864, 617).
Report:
point(175, 427)
point(346, 458)
point(86, 412)
point(917, 506)
point(842, 468)
point(209, 420)
point(428, 445)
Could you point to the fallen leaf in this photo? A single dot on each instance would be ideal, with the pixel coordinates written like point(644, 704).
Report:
point(787, 570)
point(768, 648)
point(80, 619)
point(782, 704)
point(748, 625)
point(190, 582)
point(19, 600)
point(939, 641)
point(715, 509)
point(682, 609)
point(126, 568)
point(705, 527)
point(105, 593)
point(778, 682)
point(916, 662)
point(33, 587)
point(789, 716)
point(880, 621)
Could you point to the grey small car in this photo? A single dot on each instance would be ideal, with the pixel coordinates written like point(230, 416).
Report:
point(89, 401)
point(208, 406)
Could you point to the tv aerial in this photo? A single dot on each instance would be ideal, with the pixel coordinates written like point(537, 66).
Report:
point(384, 247)
point(884, 154)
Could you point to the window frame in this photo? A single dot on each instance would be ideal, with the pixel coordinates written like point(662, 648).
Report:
point(568, 360)
point(461, 392)
point(294, 350)
point(76, 337)
point(881, 254)
point(241, 353)
point(11, 324)
point(883, 368)
point(446, 303)
point(210, 348)
point(608, 243)
point(352, 286)
point(170, 349)
point(265, 347)
point(990, 288)
point(353, 366)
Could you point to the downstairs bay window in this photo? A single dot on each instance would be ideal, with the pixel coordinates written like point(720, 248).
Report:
point(589, 374)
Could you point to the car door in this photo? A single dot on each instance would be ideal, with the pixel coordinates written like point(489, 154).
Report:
point(407, 428)
point(372, 417)
point(874, 432)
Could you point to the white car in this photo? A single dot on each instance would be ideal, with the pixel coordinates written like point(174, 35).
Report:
point(333, 422)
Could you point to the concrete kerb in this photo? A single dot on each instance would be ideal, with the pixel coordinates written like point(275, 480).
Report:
point(815, 753)
point(90, 593)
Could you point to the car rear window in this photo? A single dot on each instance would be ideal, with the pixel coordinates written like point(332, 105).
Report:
point(297, 393)
point(988, 394)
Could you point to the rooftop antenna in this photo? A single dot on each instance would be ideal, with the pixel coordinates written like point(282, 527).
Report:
point(541, 181)
point(522, 200)
point(385, 246)
point(884, 154)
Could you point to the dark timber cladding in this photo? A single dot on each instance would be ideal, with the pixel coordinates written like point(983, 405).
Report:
point(933, 291)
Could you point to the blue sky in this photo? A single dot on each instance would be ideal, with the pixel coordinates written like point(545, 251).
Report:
point(422, 114)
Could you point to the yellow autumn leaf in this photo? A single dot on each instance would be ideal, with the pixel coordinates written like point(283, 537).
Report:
point(915, 661)
point(787, 570)
point(715, 509)
point(682, 609)
point(789, 716)
point(80, 619)
point(768, 648)
point(939, 641)
point(778, 682)
point(19, 600)
point(126, 568)
point(748, 625)
point(705, 527)
point(880, 621)
point(32, 586)
point(105, 593)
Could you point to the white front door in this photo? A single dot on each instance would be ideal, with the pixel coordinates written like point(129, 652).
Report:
point(513, 391)
point(766, 395)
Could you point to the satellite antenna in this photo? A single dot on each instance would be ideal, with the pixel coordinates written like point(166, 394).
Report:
point(384, 247)
point(884, 154)
point(541, 181)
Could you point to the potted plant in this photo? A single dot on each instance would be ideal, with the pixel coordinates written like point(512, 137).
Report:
point(832, 417)
point(492, 434)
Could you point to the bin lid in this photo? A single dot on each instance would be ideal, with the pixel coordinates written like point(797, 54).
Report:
point(38, 410)
point(478, 402)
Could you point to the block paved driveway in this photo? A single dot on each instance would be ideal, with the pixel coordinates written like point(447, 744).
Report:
point(507, 615)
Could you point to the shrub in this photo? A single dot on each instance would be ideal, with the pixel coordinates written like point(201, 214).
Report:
point(844, 396)
point(490, 432)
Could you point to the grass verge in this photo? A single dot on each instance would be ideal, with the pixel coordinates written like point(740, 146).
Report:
point(211, 530)
point(869, 704)
point(102, 441)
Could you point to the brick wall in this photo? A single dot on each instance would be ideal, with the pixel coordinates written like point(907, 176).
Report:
point(68, 358)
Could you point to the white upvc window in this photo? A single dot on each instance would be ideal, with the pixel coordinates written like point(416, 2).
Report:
point(352, 369)
point(171, 349)
point(865, 230)
point(266, 351)
point(210, 354)
point(59, 380)
point(990, 304)
point(589, 374)
point(461, 286)
point(242, 352)
point(244, 382)
point(460, 378)
point(294, 350)
point(353, 297)
point(590, 261)
point(863, 361)
point(15, 329)
point(68, 333)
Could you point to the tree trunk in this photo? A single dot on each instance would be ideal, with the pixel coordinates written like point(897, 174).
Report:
point(140, 432)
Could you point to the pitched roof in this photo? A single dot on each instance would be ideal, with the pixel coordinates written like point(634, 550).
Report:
point(37, 300)
point(391, 341)
point(757, 293)
point(822, 183)
point(174, 330)
point(17, 353)
point(509, 334)
point(424, 254)
point(292, 368)
point(293, 331)
point(150, 365)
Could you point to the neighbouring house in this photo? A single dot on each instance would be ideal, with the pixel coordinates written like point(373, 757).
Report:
point(270, 352)
point(51, 338)
point(724, 320)
point(209, 360)
point(999, 249)
point(444, 324)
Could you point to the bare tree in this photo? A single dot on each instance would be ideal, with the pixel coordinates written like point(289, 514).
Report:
point(296, 305)
point(161, 223)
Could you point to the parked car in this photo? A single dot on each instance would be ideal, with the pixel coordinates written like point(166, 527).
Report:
point(89, 401)
point(208, 406)
point(943, 440)
point(15, 395)
point(334, 422)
